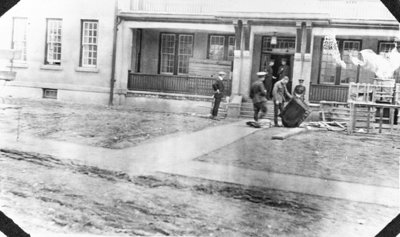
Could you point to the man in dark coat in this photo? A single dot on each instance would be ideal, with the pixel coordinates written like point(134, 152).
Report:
point(279, 94)
point(269, 78)
point(300, 90)
point(258, 94)
point(284, 71)
point(218, 88)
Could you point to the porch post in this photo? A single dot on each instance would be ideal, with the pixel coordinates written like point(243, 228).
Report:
point(302, 57)
point(237, 61)
point(242, 60)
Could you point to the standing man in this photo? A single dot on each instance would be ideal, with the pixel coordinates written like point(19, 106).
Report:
point(218, 88)
point(279, 92)
point(300, 90)
point(284, 71)
point(258, 94)
point(269, 78)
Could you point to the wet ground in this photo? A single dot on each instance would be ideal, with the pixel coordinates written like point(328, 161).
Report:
point(86, 199)
point(97, 125)
point(45, 193)
point(328, 155)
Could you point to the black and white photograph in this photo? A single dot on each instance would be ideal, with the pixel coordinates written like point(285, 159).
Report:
point(217, 118)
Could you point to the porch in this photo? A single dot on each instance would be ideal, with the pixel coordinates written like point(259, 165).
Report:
point(177, 84)
point(319, 92)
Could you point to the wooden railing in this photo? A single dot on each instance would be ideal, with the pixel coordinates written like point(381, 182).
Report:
point(320, 92)
point(174, 84)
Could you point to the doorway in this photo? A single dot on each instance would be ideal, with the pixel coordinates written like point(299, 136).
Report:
point(267, 57)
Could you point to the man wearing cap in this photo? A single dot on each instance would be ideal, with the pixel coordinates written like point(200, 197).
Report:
point(218, 88)
point(284, 71)
point(278, 93)
point(258, 94)
point(300, 90)
point(269, 78)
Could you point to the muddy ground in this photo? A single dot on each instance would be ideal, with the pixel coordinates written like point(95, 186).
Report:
point(86, 199)
point(372, 160)
point(43, 193)
point(97, 125)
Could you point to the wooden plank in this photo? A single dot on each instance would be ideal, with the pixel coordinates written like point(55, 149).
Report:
point(381, 119)
point(368, 120)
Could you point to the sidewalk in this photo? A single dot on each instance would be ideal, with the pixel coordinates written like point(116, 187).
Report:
point(144, 158)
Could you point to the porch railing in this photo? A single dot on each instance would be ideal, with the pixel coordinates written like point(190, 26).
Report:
point(320, 92)
point(174, 84)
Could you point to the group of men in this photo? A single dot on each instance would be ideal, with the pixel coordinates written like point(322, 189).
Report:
point(266, 87)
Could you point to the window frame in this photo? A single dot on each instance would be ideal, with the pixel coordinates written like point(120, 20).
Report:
point(46, 58)
point(338, 69)
point(265, 49)
point(226, 56)
point(82, 44)
point(24, 57)
point(176, 52)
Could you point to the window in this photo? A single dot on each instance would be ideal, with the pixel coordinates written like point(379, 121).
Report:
point(19, 36)
point(50, 93)
point(221, 47)
point(384, 49)
point(176, 50)
point(285, 44)
point(350, 49)
point(53, 42)
point(89, 41)
point(331, 72)
point(168, 53)
point(185, 52)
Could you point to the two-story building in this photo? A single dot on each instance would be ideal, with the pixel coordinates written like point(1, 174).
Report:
point(168, 48)
point(66, 49)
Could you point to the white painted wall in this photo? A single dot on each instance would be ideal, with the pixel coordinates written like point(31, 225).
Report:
point(34, 74)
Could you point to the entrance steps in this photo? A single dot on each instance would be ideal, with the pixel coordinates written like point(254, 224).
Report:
point(247, 111)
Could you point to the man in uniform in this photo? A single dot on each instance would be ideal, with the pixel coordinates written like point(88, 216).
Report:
point(258, 94)
point(284, 71)
point(218, 88)
point(300, 90)
point(269, 78)
point(278, 96)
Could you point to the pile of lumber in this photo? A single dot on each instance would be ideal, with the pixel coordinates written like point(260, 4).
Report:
point(330, 126)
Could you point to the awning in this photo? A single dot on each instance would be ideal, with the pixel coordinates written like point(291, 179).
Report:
point(394, 7)
point(6, 5)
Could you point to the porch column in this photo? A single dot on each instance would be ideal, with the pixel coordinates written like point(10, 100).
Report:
point(123, 62)
point(302, 57)
point(241, 77)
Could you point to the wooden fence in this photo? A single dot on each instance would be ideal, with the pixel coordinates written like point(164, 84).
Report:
point(174, 84)
point(320, 92)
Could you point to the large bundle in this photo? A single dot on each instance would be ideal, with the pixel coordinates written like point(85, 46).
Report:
point(295, 112)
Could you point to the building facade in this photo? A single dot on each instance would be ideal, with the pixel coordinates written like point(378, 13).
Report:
point(177, 46)
point(66, 49)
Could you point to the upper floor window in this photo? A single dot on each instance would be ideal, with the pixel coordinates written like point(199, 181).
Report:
point(221, 47)
point(53, 42)
point(19, 32)
point(89, 43)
